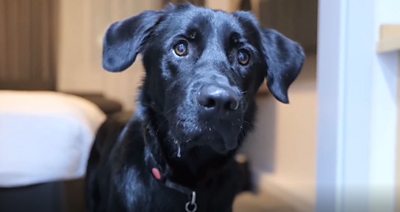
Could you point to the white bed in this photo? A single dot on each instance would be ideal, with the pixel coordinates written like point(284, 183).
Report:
point(45, 136)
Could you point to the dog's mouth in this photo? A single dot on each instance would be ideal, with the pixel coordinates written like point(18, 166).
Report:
point(222, 136)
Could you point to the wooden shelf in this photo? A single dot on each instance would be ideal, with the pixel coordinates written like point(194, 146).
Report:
point(389, 38)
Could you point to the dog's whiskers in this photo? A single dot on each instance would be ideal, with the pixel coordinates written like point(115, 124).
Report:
point(178, 123)
point(178, 154)
point(178, 151)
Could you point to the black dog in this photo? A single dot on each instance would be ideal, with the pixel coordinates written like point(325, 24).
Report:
point(203, 69)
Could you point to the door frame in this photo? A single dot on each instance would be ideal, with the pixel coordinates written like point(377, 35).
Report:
point(357, 96)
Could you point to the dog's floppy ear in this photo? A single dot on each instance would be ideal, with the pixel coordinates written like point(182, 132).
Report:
point(284, 59)
point(125, 39)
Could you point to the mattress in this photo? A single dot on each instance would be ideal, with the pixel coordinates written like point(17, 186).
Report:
point(45, 136)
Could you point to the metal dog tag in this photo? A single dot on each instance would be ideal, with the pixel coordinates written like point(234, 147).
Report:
point(191, 205)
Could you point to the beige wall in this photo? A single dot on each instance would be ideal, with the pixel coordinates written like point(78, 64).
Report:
point(226, 5)
point(282, 147)
point(82, 26)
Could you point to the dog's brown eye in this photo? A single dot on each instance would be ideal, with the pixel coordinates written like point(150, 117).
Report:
point(243, 57)
point(181, 48)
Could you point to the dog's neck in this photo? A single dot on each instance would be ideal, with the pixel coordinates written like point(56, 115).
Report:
point(197, 164)
point(187, 166)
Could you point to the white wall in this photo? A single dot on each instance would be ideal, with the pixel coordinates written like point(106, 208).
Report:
point(81, 29)
point(357, 107)
point(386, 108)
point(388, 14)
point(398, 143)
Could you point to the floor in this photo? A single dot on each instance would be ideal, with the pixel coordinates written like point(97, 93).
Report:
point(248, 202)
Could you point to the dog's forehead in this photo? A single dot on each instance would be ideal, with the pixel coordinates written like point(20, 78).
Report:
point(205, 20)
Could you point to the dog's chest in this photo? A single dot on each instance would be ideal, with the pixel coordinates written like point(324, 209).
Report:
point(156, 196)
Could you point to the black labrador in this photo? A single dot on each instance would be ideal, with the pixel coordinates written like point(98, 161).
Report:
point(196, 105)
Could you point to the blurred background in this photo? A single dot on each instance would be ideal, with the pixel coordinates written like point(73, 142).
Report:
point(333, 148)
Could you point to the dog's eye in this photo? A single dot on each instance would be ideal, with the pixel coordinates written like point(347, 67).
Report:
point(243, 56)
point(181, 48)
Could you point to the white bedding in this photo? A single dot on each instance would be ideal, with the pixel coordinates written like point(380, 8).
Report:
point(44, 136)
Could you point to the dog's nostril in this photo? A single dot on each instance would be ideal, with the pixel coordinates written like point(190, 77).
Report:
point(218, 98)
point(206, 101)
point(232, 105)
point(209, 103)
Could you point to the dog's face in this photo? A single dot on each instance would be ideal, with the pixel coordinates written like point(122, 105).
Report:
point(203, 68)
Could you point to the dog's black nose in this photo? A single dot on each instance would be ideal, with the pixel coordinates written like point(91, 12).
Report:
point(218, 98)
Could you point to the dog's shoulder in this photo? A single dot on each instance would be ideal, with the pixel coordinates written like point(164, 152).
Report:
point(116, 169)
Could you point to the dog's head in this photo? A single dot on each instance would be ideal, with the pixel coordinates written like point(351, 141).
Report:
point(203, 68)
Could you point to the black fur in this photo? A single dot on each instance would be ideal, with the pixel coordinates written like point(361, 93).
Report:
point(169, 119)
